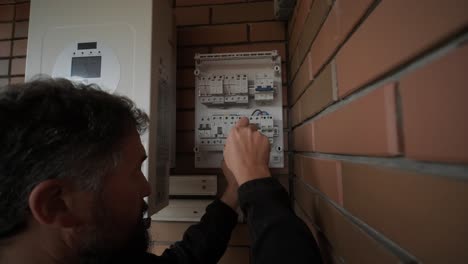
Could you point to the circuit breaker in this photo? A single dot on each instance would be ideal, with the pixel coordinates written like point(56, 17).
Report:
point(229, 86)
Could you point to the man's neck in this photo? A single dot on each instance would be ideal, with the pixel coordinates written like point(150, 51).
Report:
point(30, 247)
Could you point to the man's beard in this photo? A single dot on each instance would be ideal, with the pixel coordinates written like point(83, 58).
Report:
point(100, 247)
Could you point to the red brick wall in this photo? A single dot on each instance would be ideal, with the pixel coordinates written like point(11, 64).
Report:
point(379, 132)
point(14, 16)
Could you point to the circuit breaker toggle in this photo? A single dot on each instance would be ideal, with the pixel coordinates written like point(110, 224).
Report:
point(232, 85)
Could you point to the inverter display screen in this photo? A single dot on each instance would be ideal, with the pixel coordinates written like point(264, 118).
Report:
point(87, 45)
point(86, 67)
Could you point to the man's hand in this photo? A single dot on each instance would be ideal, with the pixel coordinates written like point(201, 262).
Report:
point(247, 152)
point(230, 194)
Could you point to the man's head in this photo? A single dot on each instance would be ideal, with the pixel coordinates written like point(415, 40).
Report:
point(70, 168)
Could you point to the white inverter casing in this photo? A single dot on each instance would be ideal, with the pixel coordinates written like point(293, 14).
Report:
point(127, 48)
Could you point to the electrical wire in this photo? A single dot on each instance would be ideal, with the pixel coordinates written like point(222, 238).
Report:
point(256, 110)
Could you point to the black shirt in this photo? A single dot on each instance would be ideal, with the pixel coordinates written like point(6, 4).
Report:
point(277, 234)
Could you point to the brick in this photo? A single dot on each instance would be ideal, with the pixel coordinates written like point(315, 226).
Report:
point(303, 137)
point(6, 12)
point(296, 111)
point(284, 95)
point(301, 16)
point(304, 217)
point(284, 72)
point(431, 209)
point(327, 253)
point(320, 94)
point(185, 56)
point(292, 20)
point(185, 120)
point(22, 11)
point(279, 46)
point(324, 175)
point(185, 78)
point(434, 109)
point(302, 80)
point(212, 34)
point(267, 31)
point(317, 15)
point(205, 2)
point(185, 141)
point(17, 80)
point(342, 18)
point(18, 66)
point(348, 240)
point(333, 258)
point(319, 238)
point(234, 255)
point(306, 199)
point(20, 47)
point(395, 42)
point(285, 141)
point(21, 29)
point(297, 165)
point(285, 117)
point(5, 47)
point(247, 12)
point(4, 67)
point(185, 99)
point(366, 126)
point(192, 15)
point(6, 30)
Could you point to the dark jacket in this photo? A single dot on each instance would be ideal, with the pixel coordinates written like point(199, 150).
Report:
point(277, 234)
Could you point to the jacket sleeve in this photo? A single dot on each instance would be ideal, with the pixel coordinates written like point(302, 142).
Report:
point(205, 242)
point(277, 234)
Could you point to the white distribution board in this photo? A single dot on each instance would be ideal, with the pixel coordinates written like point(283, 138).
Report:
point(229, 86)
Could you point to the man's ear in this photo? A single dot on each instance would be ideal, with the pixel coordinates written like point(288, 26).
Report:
point(48, 204)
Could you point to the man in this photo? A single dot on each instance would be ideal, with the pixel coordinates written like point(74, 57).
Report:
point(72, 190)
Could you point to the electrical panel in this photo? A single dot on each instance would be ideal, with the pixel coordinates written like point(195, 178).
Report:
point(229, 86)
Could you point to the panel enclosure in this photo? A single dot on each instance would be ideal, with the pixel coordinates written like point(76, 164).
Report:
point(229, 86)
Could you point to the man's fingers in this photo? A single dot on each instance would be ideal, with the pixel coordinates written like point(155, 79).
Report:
point(253, 127)
point(243, 122)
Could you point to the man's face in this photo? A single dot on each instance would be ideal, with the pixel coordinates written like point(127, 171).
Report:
point(120, 231)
